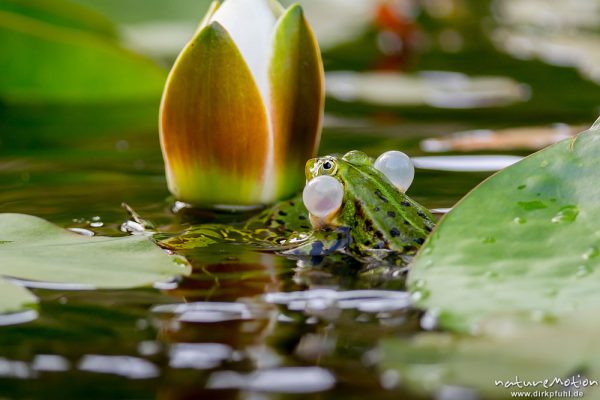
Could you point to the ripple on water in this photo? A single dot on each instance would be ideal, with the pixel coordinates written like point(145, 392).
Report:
point(369, 301)
point(126, 366)
point(206, 312)
point(199, 355)
point(479, 163)
point(50, 363)
point(15, 369)
point(278, 380)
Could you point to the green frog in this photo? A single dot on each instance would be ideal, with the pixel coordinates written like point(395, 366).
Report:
point(349, 206)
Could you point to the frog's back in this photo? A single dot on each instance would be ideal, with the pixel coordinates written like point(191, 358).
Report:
point(381, 216)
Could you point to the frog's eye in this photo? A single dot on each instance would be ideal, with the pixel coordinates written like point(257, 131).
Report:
point(328, 167)
point(323, 196)
point(398, 168)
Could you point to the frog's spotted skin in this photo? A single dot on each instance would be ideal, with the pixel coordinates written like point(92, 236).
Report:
point(375, 221)
point(269, 230)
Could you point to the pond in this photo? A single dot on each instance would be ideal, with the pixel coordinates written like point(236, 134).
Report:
point(256, 325)
point(243, 323)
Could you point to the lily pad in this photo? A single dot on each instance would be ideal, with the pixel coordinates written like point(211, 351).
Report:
point(521, 350)
point(526, 240)
point(34, 250)
point(14, 298)
point(64, 13)
point(45, 63)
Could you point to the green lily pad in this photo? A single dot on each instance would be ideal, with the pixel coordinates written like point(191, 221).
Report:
point(14, 298)
point(45, 63)
point(62, 13)
point(510, 349)
point(32, 249)
point(526, 240)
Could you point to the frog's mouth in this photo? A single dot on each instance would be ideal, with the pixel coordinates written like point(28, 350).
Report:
point(322, 223)
point(323, 197)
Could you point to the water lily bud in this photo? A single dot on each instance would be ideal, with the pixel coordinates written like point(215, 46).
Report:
point(243, 105)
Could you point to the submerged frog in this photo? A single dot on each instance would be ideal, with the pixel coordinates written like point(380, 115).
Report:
point(351, 205)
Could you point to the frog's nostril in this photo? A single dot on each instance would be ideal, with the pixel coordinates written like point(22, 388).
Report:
point(323, 196)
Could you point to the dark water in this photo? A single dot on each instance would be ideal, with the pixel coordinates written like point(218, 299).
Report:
point(243, 325)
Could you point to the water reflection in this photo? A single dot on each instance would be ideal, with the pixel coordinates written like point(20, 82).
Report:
point(199, 355)
point(280, 380)
point(208, 312)
point(439, 89)
point(370, 301)
point(126, 366)
point(466, 163)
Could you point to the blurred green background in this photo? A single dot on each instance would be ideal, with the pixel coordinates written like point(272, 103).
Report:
point(80, 86)
point(84, 67)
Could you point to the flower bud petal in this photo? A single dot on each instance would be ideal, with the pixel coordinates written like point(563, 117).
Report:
point(297, 99)
point(250, 23)
point(398, 168)
point(214, 124)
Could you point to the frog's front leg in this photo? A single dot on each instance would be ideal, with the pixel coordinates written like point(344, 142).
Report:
point(321, 243)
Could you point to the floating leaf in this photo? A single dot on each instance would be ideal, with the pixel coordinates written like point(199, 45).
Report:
point(63, 13)
point(43, 63)
point(137, 12)
point(511, 349)
point(32, 249)
point(525, 240)
point(14, 298)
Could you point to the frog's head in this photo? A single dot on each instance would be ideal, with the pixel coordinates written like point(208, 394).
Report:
point(328, 178)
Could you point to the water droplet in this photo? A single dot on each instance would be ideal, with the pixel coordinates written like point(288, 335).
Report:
point(420, 295)
point(532, 205)
point(542, 316)
point(592, 252)
point(429, 321)
point(489, 240)
point(566, 214)
point(544, 163)
point(491, 274)
point(583, 270)
point(81, 231)
point(519, 220)
point(419, 284)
